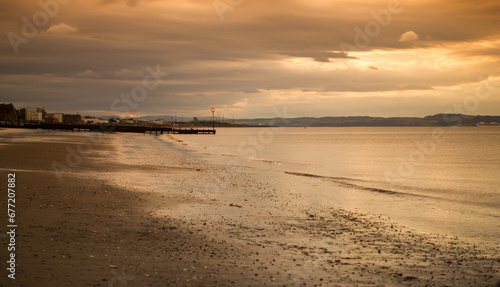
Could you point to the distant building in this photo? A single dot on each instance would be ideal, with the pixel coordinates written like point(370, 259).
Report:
point(8, 112)
point(482, 124)
point(59, 117)
point(54, 118)
point(21, 114)
point(49, 118)
point(72, 119)
point(35, 114)
point(94, 121)
point(159, 122)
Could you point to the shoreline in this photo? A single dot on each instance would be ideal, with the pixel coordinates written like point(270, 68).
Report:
point(171, 230)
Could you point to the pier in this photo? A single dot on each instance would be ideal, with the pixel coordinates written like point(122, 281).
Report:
point(105, 128)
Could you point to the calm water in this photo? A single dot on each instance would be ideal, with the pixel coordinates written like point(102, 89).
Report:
point(431, 179)
point(437, 179)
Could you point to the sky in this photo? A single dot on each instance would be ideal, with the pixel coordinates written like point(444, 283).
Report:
point(251, 58)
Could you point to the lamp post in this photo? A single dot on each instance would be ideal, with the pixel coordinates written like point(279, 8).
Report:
point(213, 118)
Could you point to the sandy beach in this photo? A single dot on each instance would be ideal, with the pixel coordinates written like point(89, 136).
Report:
point(117, 220)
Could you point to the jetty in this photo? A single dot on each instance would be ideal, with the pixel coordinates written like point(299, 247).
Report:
point(151, 129)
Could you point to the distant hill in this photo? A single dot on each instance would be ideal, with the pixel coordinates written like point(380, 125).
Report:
point(364, 121)
point(354, 121)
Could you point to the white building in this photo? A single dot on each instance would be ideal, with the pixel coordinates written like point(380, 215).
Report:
point(35, 114)
point(159, 122)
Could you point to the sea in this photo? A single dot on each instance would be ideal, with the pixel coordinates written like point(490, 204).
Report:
point(435, 179)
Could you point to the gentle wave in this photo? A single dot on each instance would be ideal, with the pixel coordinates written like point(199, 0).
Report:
point(265, 160)
point(322, 176)
point(341, 181)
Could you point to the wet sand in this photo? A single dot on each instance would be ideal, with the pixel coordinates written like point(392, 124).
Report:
point(102, 227)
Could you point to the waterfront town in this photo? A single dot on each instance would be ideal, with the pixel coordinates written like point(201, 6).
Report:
point(37, 115)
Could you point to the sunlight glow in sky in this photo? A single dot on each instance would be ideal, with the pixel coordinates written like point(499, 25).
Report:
point(251, 57)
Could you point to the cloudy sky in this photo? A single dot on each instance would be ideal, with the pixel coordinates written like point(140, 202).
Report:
point(246, 57)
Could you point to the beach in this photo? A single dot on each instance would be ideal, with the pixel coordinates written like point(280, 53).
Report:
point(139, 211)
